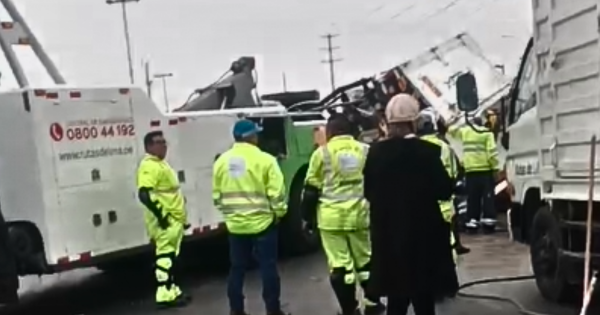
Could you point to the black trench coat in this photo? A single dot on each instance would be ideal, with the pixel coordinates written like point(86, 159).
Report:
point(403, 180)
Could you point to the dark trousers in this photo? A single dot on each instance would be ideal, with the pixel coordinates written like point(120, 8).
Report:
point(455, 228)
point(480, 195)
point(263, 248)
point(422, 304)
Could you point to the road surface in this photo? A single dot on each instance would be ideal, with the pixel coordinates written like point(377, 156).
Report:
point(305, 286)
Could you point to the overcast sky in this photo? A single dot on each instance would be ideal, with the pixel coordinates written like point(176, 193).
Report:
point(197, 39)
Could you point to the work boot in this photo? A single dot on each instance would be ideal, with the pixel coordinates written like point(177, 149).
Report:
point(461, 249)
point(177, 303)
point(186, 296)
point(238, 313)
point(280, 312)
point(376, 309)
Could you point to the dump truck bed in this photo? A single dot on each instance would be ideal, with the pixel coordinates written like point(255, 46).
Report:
point(567, 52)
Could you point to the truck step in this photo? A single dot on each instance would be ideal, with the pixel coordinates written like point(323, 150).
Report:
point(579, 255)
point(580, 225)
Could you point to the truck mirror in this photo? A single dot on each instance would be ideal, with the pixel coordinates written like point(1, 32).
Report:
point(466, 92)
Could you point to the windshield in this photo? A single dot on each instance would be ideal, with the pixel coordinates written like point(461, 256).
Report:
point(526, 97)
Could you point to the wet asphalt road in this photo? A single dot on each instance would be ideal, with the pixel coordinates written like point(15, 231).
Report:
point(304, 281)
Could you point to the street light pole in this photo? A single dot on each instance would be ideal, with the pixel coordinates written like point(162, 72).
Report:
point(163, 77)
point(126, 31)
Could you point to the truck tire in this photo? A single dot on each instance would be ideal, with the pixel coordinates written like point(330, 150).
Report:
point(546, 242)
point(24, 247)
point(296, 239)
point(9, 279)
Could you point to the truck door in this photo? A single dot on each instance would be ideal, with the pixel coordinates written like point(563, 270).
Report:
point(566, 47)
point(9, 280)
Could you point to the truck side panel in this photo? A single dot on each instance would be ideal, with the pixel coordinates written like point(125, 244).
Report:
point(89, 139)
point(568, 59)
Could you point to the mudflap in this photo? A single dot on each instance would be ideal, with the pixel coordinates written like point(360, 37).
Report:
point(9, 279)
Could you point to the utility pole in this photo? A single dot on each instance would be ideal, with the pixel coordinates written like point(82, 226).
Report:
point(330, 60)
point(284, 81)
point(163, 77)
point(126, 31)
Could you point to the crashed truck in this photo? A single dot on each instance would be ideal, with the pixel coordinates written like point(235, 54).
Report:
point(430, 77)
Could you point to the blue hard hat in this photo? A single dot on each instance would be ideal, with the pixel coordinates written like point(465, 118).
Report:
point(245, 128)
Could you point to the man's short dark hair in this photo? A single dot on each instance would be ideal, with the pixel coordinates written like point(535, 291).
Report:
point(149, 137)
point(339, 124)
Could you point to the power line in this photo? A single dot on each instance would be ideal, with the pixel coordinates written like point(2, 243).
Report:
point(331, 60)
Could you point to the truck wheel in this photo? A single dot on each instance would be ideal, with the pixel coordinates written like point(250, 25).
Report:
point(9, 279)
point(24, 248)
point(546, 242)
point(296, 238)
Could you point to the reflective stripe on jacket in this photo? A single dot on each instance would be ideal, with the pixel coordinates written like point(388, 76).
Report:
point(248, 188)
point(480, 153)
point(448, 159)
point(159, 176)
point(336, 169)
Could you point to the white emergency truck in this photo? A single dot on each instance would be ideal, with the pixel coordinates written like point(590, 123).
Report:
point(68, 160)
point(548, 125)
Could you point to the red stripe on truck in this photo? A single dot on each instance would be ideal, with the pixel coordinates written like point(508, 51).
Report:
point(83, 257)
point(155, 123)
point(173, 122)
point(208, 229)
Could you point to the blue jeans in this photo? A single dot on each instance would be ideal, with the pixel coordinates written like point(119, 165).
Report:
point(263, 247)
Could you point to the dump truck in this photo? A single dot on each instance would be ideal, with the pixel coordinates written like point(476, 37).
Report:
point(548, 130)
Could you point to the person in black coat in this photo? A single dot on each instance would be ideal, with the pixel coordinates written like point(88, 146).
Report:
point(404, 179)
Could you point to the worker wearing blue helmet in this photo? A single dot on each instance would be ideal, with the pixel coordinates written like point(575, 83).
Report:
point(248, 188)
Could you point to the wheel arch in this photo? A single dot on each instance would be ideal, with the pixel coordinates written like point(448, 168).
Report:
point(35, 262)
point(532, 201)
point(32, 229)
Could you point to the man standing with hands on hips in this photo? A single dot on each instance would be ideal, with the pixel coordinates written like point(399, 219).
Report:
point(248, 188)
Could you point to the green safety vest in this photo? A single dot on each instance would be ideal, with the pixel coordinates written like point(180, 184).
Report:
point(157, 174)
point(480, 153)
point(248, 188)
point(337, 169)
point(447, 206)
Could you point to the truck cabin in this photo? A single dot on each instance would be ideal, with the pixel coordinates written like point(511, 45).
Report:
point(278, 130)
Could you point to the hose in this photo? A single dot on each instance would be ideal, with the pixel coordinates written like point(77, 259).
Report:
point(497, 298)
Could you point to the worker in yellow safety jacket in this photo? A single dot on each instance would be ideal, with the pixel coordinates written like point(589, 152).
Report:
point(248, 188)
point(480, 159)
point(333, 197)
point(426, 130)
point(166, 216)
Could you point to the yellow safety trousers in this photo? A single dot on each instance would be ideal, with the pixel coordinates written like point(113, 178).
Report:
point(167, 244)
